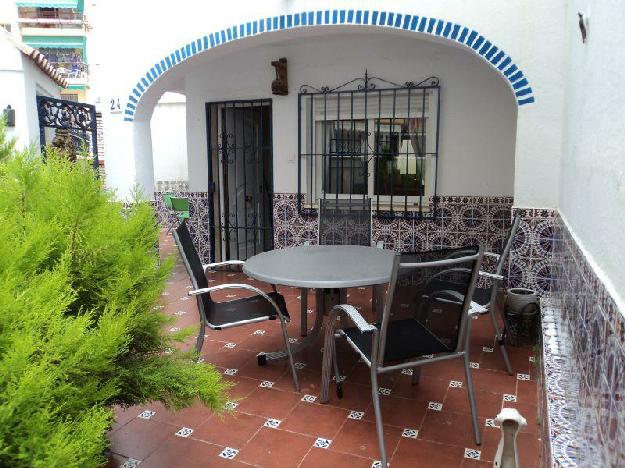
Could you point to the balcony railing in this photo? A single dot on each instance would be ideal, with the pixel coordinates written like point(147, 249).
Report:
point(50, 17)
point(72, 70)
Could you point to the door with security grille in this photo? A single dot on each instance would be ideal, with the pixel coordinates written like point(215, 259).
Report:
point(240, 169)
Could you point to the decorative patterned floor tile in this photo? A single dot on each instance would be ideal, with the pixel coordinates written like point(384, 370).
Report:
point(435, 405)
point(522, 376)
point(272, 423)
point(309, 398)
point(229, 453)
point(231, 371)
point(231, 405)
point(299, 365)
point(410, 433)
point(147, 414)
point(474, 365)
point(455, 384)
point(384, 391)
point(322, 443)
point(230, 345)
point(509, 398)
point(341, 378)
point(259, 332)
point(486, 349)
point(131, 463)
point(184, 432)
point(180, 312)
point(491, 423)
point(356, 415)
point(472, 454)
point(266, 384)
point(407, 371)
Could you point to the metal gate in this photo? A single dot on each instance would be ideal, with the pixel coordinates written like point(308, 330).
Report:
point(69, 125)
point(241, 178)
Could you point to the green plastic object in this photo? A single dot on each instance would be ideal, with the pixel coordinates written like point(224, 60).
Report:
point(181, 207)
point(167, 200)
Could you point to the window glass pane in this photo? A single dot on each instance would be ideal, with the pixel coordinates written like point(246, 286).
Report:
point(399, 157)
point(345, 157)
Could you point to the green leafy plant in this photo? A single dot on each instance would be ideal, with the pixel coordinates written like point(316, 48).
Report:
point(79, 331)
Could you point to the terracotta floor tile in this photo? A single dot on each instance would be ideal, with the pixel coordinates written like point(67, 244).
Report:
point(317, 458)
point(355, 397)
point(449, 428)
point(428, 388)
point(192, 417)
point(139, 438)
point(452, 369)
point(360, 373)
point(276, 448)
point(181, 451)
point(309, 381)
point(315, 420)
point(359, 438)
point(273, 370)
point(242, 388)
point(488, 403)
point(230, 430)
point(400, 412)
point(422, 453)
point(529, 448)
point(492, 381)
point(527, 392)
point(124, 415)
point(231, 358)
point(494, 361)
point(270, 403)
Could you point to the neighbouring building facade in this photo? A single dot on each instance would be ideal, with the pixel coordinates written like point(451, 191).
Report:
point(451, 116)
point(58, 29)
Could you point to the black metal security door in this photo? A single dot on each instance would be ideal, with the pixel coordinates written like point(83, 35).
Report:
point(69, 125)
point(241, 178)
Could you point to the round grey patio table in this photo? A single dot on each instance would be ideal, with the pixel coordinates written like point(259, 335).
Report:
point(320, 267)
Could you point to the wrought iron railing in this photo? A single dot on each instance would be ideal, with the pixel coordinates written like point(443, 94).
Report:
point(370, 138)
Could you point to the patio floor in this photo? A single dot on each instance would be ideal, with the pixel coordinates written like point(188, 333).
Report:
point(273, 426)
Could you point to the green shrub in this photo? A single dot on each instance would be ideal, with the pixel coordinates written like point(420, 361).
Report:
point(79, 282)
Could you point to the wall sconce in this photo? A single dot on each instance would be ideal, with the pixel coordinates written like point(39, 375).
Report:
point(9, 116)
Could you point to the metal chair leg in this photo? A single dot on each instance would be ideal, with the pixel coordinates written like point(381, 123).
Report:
point(467, 374)
point(499, 338)
point(337, 373)
point(199, 342)
point(285, 335)
point(416, 375)
point(303, 294)
point(375, 396)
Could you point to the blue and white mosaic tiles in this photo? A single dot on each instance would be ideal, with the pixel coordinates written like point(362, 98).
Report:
point(494, 56)
point(584, 361)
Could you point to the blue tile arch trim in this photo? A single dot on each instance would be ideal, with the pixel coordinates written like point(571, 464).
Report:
point(475, 42)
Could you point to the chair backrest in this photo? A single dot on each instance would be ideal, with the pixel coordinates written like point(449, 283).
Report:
point(501, 263)
point(345, 221)
point(167, 200)
point(194, 268)
point(433, 289)
point(180, 203)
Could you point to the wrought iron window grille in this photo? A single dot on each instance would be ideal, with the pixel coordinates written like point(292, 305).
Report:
point(370, 137)
point(75, 121)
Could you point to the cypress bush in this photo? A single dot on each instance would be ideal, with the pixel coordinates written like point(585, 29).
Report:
point(80, 279)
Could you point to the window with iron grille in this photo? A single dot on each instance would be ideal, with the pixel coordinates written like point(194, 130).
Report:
point(370, 138)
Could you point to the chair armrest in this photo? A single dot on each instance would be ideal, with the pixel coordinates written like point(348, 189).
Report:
point(355, 317)
point(210, 266)
point(491, 275)
point(492, 254)
point(260, 292)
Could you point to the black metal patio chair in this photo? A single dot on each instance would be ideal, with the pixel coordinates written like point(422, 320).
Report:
point(219, 315)
point(342, 221)
point(425, 320)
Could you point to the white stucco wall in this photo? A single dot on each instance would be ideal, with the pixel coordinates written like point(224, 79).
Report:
point(592, 189)
point(169, 138)
point(20, 82)
point(478, 111)
point(531, 31)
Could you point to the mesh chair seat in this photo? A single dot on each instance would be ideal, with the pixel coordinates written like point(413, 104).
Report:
point(247, 308)
point(405, 339)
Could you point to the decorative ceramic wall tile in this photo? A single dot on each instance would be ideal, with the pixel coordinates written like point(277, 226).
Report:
point(584, 355)
point(198, 223)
